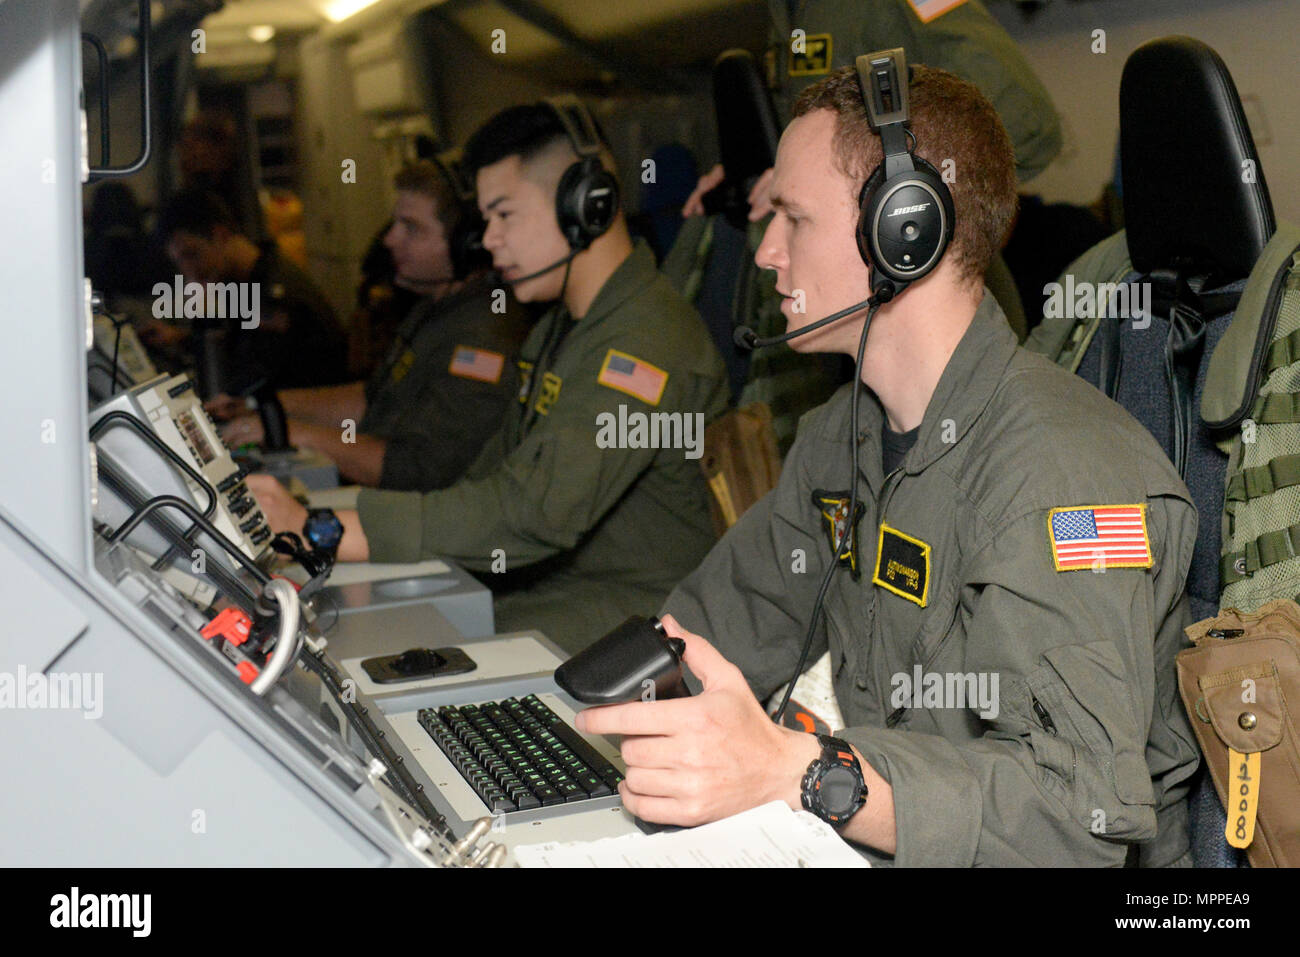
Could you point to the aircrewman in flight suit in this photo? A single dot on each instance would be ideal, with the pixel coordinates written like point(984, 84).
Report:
point(448, 379)
point(1002, 626)
point(589, 520)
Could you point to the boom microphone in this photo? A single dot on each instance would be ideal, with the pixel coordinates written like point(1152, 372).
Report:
point(746, 338)
point(542, 272)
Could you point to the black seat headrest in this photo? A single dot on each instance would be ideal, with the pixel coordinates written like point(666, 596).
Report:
point(1184, 147)
point(748, 133)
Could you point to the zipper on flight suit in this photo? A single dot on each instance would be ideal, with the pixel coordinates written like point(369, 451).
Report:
point(1046, 719)
point(886, 492)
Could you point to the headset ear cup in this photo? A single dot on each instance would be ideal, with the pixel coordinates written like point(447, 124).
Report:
point(567, 210)
point(466, 242)
point(598, 202)
point(894, 254)
point(586, 202)
point(866, 215)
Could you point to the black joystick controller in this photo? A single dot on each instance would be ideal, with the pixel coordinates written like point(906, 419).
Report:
point(629, 663)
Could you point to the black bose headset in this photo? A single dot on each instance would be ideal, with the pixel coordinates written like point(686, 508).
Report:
point(466, 239)
point(905, 211)
point(586, 199)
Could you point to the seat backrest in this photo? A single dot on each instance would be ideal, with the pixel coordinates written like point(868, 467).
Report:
point(1197, 215)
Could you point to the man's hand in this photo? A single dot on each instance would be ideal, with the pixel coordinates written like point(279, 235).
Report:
point(282, 511)
point(760, 196)
point(244, 430)
point(694, 205)
point(760, 202)
point(695, 760)
point(161, 335)
point(222, 407)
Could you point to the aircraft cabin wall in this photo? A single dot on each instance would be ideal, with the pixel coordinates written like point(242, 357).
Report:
point(1256, 39)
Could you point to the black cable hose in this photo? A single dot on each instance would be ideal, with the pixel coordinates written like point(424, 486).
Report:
point(846, 535)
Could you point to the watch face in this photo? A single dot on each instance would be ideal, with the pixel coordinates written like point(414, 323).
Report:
point(324, 530)
point(839, 790)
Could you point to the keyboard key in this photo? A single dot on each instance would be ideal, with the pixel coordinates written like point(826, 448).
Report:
point(548, 795)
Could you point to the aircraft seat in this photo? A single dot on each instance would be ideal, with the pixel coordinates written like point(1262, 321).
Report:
point(1197, 214)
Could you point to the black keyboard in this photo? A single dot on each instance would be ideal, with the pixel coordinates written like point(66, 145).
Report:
point(518, 754)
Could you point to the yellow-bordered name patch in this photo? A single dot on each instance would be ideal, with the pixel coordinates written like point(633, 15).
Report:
point(902, 565)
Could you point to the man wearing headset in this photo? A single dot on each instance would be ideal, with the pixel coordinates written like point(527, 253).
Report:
point(448, 379)
point(1003, 614)
point(575, 532)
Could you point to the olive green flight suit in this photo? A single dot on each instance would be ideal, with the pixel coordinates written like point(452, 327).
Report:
point(445, 387)
point(588, 535)
point(966, 40)
point(1086, 748)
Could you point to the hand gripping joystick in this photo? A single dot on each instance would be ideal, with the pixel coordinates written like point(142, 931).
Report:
point(633, 659)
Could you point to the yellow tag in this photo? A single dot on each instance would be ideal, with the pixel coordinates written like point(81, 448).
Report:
point(1243, 797)
point(722, 494)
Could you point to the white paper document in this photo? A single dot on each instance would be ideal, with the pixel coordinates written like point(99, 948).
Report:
point(768, 836)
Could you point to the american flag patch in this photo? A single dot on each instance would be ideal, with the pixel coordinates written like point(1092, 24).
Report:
point(1099, 536)
point(927, 10)
point(634, 376)
point(481, 364)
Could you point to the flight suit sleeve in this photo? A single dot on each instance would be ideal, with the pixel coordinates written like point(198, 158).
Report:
point(545, 494)
point(1059, 776)
point(752, 594)
point(449, 421)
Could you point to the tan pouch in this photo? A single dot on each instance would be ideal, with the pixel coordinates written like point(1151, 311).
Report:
point(740, 462)
point(1240, 685)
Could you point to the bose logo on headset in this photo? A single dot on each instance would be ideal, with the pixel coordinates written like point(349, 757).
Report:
point(909, 209)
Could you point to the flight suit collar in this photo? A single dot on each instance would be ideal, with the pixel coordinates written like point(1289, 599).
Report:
point(965, 387)
point(633, 274)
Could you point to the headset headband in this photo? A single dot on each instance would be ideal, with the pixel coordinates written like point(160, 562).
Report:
point(578, 124)
point(884, 78)
point(449, 161)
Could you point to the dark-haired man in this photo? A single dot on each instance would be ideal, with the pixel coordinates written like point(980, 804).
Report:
point(447, 381)
point(1002, 626)
point(589, 504)
point(283, 332)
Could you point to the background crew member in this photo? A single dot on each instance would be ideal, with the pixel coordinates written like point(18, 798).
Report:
point(982, 473)
point(448, 379)
point(297, 339)
point(584, 534)
point(965, 40)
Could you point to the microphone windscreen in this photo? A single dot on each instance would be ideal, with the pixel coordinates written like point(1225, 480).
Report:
point(745, 338)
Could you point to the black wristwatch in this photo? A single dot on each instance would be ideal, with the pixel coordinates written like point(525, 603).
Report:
point(323, 529)
point(833, 787)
